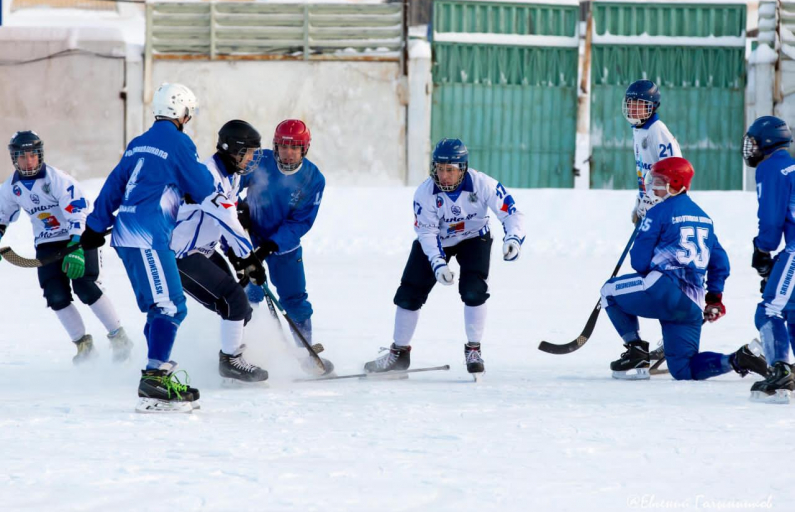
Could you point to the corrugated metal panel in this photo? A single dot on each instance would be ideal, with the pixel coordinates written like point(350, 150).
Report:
point(702, 86)
point(505, 18)
point(657, 19)
point(515, 108)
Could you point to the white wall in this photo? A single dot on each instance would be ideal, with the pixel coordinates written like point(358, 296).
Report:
point(355, 110)
point(72, 102)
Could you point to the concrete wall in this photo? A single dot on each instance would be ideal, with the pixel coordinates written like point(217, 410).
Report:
point(73, 102)
point(356, 111)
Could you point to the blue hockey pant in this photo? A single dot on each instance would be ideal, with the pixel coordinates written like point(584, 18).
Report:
point(287, 275)
point(776, 313)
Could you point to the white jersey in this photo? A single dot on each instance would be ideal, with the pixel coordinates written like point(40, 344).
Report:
point(199, 229)
point(653, 142)
point(444, 219)
point(53, 199)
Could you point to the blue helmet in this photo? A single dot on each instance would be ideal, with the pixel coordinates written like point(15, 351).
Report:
point(646, 99)
point(450, 151)
point(766, 134)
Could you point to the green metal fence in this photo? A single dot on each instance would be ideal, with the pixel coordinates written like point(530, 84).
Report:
point(695, 54)
point(505, 83)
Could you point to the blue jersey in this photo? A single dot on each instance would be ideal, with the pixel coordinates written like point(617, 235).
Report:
point(678, 239)
point(157, 169)
point(775, 189)
point(283, 206)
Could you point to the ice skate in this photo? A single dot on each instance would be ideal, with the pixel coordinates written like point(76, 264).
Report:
point(160, 391)
point(745, 361)
point(234, 369)
point(120, 344)
point(777, 388)
point(474, 361)
point(395, 358)
point(85, 350)
point(634, 363)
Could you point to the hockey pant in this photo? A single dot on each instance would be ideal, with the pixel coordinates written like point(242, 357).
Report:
point(775, 315)
point(656, 295)
point(56, 285)
point(288, 277)
point(211, 283)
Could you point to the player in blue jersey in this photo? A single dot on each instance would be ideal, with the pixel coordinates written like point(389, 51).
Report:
point(146, 187)
point(282, 202)
point(676, 255)
point(765, 148)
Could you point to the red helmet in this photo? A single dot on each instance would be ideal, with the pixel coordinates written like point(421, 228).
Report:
point(291, 132)
point(672, 174)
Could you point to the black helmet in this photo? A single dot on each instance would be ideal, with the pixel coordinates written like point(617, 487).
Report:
point(26, 142)
point(234, 139)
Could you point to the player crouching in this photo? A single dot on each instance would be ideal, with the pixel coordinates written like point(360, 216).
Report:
point(451, 219)
point(676, 253)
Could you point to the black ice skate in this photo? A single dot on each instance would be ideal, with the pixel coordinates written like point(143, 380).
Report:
point(85, 350)
point(236, 368)
point(161, 391)
point(121, 345)
point(474, 360)
point(397, 358)
point(745, 361)
point(634, 363)
point(777, 388)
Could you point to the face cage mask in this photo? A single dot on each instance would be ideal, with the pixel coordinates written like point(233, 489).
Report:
point(289, 168)
point(15, 154)
point(751, 152)
point(448, 188)
point(645, 105)
point(251, 165)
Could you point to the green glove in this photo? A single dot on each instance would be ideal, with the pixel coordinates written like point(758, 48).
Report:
point(74, 264)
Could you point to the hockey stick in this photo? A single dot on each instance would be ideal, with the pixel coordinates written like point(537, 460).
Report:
point(571, 346)
point(375, 375)
point(11, 256)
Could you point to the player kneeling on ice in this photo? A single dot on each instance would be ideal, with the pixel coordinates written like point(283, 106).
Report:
point(58, 209)
point(451, 219)
point(204, 273)
point(765, 148)
point(675, 252)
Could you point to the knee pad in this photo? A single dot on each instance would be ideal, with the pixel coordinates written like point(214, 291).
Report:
point(87, 291)
point(409, 298)
point(233, 303)
point(679, 368)
point(473, 299)
point(57, 295)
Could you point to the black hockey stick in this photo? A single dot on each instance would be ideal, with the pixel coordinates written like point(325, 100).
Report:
point(571, 346)
point(376, 375)
point(11, 256)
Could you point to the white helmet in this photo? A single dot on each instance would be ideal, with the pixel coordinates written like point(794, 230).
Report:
point(173, 101)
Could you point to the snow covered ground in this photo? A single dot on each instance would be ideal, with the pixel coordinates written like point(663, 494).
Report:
point(542, 432)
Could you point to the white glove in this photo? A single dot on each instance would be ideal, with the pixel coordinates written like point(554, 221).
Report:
point(511, 249)
point(646, 203)
point(442, 272)
point(635, 217)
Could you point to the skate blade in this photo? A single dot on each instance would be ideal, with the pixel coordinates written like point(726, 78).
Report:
point(155, 406)
point(636, 374)
point(659, 371)
point(477, 376)
point(781, 396)
point(230, 383)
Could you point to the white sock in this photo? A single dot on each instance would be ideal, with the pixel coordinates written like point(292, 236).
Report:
point(475, 322)
point(104, 310)
point(72, 321)
point(231, 336)
point(405, 324)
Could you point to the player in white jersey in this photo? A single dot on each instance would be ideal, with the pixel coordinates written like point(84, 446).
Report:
point(652, 139)
point(451, 219)
point(204, 273)
point(57, 209)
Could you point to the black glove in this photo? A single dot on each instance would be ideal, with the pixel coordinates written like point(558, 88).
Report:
point(244, 214)
point(762, 261)
point(90, 239)
point(252, 267)
point(266, 248)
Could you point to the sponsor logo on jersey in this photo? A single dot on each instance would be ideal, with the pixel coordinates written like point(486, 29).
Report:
point(295, 198)
point(50, 221)
point(788, 170)
point(455, 209)
point(17, 190)
point(77, 206)
point(439, 201)
point(127, 209)
point(38, 209)
point(51, 234)
point(147, 149)
point(458, 227)
point(508, 205)
point(473, 197)
point(35, 199)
